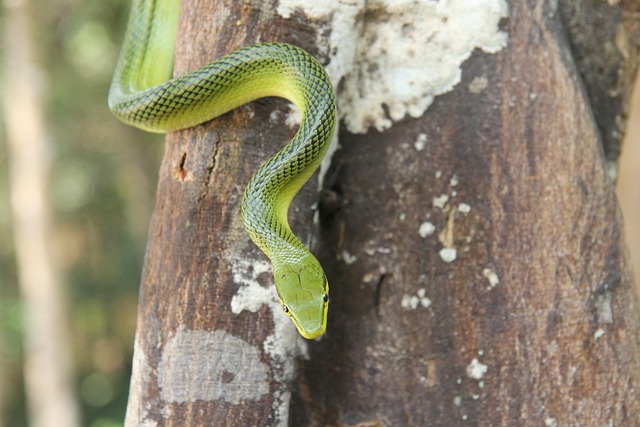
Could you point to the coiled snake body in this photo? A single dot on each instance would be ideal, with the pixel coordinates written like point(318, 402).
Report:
point(144, 95)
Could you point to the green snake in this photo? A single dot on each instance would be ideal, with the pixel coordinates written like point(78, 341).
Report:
point(144, 94)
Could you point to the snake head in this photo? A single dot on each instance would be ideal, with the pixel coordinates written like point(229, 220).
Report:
point(303, 291)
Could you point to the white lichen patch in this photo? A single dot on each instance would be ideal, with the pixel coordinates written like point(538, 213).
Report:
point(294, 118)
point(421, 142)
point(491, 276)
point(348, 258)
point(453, 181)
point(440, 201)
point(448, 254)
point(598, 334)
point(274, 117)
point(251, 294)
point(478, 84)
point(550, 422)
point(403, 55)
point(464, 208)
point(426, 229)
point(476, 370)
point(412, 302)
point(203, 366)
point(342, 18)
point(284, 344)
point(411, 51)
point(603, 308)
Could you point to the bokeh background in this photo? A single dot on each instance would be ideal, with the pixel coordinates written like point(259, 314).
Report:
point(101, 188)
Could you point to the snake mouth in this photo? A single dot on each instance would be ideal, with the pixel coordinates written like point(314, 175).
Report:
point(312, 329)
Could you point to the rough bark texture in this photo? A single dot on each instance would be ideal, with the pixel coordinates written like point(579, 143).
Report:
point(604, 37)
point(196, 362)
point(534, 323)
point(553, 338)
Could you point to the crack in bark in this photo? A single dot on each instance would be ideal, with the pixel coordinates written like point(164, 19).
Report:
point(180, 173)
point(211, 137)
point(384, 279)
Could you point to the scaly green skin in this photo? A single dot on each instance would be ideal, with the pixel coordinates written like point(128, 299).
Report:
point(144, 95)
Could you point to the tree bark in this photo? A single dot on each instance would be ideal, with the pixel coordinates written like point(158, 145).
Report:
point(212, 344)
point(604, 43)
point(535, 322)
point(475, 254)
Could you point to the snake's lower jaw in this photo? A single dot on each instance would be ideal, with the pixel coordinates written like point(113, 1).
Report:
point(311, 322)
point(312, 330)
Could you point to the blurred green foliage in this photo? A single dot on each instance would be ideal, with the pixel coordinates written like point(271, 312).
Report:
point(102, 189)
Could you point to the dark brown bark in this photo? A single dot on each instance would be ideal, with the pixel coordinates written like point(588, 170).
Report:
point(534, 323)
point(557, 340)
point(196, 361)
point(604, 43)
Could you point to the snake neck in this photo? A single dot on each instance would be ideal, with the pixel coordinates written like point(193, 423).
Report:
point(270, 192)
point(302, 80)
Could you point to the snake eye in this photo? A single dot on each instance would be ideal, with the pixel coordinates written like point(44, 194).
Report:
point(285, 309)
point(325, 297)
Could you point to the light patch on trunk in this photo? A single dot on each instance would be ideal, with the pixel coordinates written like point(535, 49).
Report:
point(204, 365)
point(476, 370)
point(137, 412)
point(251, 295)
point(394, 56)
point(284, 344)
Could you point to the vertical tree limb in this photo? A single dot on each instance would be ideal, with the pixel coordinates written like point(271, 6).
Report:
point(213, 346)
point(487, 282)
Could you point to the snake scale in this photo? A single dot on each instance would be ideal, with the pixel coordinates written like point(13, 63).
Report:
point(144, 94)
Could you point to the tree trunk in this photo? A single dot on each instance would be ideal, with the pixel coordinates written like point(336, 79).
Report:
point(212, 345)
point(474, 252)
point(47, 366)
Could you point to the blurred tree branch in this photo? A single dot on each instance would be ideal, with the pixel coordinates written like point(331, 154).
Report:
point(49, 389)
